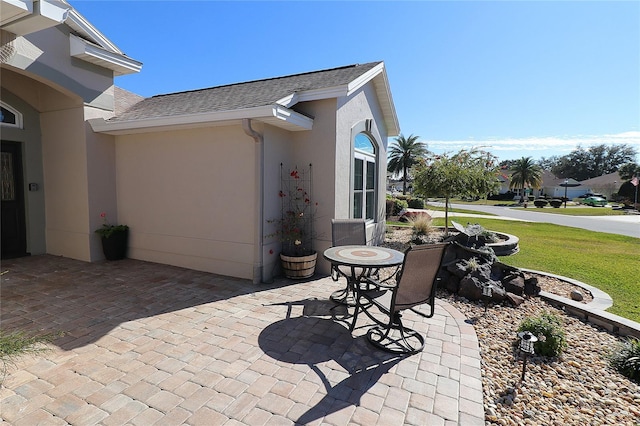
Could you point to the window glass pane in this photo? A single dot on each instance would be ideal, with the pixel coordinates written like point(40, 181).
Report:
point(7, 116)
point(371, 205)
point(363, 143)
point(371, 175)
point(357, 205)
point(358, 175)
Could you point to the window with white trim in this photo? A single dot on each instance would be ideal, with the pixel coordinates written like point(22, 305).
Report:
point(364, 177)
point(9, 116)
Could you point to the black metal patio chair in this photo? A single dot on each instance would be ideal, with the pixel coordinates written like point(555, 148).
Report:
point(415, 285)
point(346, 232)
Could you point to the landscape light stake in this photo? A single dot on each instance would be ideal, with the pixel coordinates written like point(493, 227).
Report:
point(487, 292)
point(527, 339)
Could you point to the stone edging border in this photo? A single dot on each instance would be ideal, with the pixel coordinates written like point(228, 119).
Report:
point(594, 312)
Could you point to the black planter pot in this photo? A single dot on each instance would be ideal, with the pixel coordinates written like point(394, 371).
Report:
point(114, 246)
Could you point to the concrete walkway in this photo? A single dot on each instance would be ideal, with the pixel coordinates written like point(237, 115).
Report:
point(153, 344)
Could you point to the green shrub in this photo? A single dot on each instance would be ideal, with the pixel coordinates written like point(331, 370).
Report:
point(555, 203)
point(550, 333)
point(625, 358)
point(540, 202)
point(416, 203)
point(404, 197)
point(399, 205)
point(389, 206)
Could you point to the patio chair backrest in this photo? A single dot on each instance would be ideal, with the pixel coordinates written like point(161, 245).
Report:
point(417, 282)
point(345, 232)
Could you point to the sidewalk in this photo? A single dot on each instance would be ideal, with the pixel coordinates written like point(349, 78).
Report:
point(148, 343)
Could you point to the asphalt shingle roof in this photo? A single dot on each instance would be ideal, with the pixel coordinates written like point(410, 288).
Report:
point(241, 95)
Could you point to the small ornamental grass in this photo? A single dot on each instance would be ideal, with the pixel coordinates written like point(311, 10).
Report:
point(17, 343)
point(422, 225)
point(548, 328)
point(625, 358)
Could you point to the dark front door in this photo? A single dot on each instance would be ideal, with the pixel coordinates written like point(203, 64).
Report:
point(14, 231)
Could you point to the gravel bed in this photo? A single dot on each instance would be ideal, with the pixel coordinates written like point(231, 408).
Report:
point(577, 388)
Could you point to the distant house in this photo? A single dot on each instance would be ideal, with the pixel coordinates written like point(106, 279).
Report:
point(194, 174)
point(553, 187)
point(606, 185)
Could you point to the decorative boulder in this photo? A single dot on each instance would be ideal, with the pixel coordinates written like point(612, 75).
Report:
point(514, 283)
point(577, 295)
point(531, 286)
point(514, 299)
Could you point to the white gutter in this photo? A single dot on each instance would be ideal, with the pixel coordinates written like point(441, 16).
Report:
point(259, 200)
point(280, 114)
point(114, 61)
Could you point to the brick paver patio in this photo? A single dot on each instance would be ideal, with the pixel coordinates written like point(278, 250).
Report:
point(153, 344)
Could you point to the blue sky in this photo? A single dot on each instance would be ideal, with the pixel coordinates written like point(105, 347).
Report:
point(517, 78)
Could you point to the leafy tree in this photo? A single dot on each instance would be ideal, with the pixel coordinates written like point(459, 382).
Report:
point(525, 172)
point(467, 173)
point(506, 164)
point(598, 160)
point(404, 154)
point(629, 170)
point(548, 163)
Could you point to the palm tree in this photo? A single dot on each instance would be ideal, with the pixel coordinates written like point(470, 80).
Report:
point(525, 172)
point(404, 153)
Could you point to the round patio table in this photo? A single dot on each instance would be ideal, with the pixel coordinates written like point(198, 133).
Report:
point(364, 256)
point(361, 260)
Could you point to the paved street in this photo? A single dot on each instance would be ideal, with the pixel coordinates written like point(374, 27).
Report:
point(628, 225)
point(151, 344)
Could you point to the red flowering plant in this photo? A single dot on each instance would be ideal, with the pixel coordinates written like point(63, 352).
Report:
point(107, 229)
point(296, 222)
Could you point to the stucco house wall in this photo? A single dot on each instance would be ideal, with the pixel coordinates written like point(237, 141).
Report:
point(194, 175)
point(54, 88)
point(188, 196)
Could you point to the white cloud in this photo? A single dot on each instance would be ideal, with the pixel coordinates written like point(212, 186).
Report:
point(536, 146)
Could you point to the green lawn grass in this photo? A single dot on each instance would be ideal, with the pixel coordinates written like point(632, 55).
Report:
point(441, 209)
point(607, 261)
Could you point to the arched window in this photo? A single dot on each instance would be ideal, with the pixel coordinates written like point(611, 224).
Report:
point(365, 179)
point(9, 116)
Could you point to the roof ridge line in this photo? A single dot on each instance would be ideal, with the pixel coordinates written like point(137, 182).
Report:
point(263, 79)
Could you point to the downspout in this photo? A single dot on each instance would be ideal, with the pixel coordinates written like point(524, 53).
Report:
point(259, 200)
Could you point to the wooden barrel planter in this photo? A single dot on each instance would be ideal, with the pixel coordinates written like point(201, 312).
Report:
point(299, 267)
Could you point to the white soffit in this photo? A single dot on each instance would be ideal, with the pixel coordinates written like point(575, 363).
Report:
point(117, 62)
point(12, 10)
point(26, 17)
point(275, 115)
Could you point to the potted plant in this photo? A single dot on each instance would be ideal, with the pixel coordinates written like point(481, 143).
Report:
point(114, 239)
point(295, 226)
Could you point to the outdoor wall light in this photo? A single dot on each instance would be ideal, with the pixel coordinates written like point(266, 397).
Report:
point(487, 292)
point(527, 339)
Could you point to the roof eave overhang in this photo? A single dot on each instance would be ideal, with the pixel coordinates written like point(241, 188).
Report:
point(376, 74)
point(117, 62)
point(275, 115)
point(22, 17)
point(80, 24)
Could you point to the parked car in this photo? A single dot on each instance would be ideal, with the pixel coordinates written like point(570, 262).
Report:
point(595, 201)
